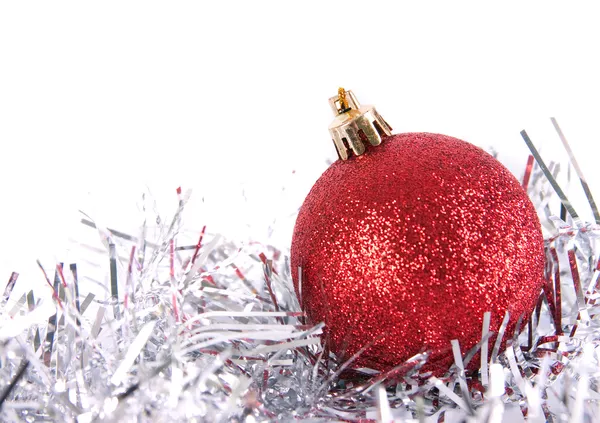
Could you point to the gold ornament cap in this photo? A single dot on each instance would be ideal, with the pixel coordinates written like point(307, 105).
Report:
point(355, 125)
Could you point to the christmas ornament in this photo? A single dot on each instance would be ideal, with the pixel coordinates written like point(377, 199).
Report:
point(405, 242)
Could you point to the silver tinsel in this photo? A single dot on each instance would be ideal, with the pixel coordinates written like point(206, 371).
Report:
point(211, 330)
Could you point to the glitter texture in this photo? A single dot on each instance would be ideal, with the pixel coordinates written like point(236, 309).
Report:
point(403, 249)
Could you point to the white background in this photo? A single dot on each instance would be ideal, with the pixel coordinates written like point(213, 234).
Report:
point(100, 102)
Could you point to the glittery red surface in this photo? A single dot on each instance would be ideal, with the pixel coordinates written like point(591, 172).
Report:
point(413, 242)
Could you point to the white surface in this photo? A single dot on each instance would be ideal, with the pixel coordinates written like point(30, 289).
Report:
point(98, 101)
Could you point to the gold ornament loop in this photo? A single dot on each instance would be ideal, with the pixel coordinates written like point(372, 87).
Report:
point(342, 97)
point(354, 125)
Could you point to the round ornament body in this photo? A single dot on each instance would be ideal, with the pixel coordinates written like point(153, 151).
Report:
point(409, 244)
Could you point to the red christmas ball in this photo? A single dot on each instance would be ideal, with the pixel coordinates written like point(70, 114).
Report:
point(411, 243)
